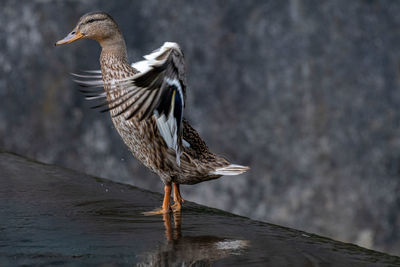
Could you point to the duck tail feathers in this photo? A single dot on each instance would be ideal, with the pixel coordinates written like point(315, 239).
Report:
point(232, 169)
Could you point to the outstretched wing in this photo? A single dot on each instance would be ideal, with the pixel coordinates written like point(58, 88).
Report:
point(161, 78)
point(158, 89)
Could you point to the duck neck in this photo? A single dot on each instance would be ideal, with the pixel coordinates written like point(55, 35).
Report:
point(113, 55)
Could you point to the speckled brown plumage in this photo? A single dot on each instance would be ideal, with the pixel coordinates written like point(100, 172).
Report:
point(145, 142)
point(146, 106)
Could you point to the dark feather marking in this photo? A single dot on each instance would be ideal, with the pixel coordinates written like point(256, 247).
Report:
point(92, 96)
point(165, 101)
point(139, 97)
point(154, 101)
point(149, 103)
point(178, 108)
point(93, 20)
point(119, 104)
point(139, 106)
point(87, 91)
point(115, 102)
point(148, 78)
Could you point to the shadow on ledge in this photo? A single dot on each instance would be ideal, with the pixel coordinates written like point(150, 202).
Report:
point(51, 215)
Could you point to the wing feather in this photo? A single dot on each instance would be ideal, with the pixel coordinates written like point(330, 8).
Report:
point(157, 90)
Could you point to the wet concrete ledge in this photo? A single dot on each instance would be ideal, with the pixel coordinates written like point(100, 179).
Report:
point(50, 216)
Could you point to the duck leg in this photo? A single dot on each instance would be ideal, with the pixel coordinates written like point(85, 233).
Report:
point(166, 206)
point(178, 200)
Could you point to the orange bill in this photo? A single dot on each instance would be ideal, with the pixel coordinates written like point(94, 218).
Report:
point(71, 37)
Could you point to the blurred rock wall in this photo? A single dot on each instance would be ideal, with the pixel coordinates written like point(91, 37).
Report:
point(305, 92)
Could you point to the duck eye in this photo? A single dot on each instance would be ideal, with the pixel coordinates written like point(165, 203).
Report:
point(90, 20)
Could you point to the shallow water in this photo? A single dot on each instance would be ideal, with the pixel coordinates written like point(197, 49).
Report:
point(50, 216)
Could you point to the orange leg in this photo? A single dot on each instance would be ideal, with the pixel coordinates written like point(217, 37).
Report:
point(166, 206)
point(178, 200)
point(167, 199)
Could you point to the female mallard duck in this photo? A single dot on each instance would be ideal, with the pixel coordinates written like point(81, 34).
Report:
point(146, 102)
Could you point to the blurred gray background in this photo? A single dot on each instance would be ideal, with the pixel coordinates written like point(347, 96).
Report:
point(305, 92)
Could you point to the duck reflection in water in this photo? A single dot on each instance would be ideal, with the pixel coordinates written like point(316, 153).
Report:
point(190, 250)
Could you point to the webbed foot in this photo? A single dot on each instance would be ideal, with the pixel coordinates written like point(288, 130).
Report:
point(166, 206)
point(157, 212)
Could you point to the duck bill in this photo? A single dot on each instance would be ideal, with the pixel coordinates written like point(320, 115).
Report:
point(71, 37)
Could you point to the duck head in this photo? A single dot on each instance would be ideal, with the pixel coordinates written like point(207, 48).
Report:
point(98, 26)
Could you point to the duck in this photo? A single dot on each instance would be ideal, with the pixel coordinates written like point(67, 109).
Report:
point(146, 102)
